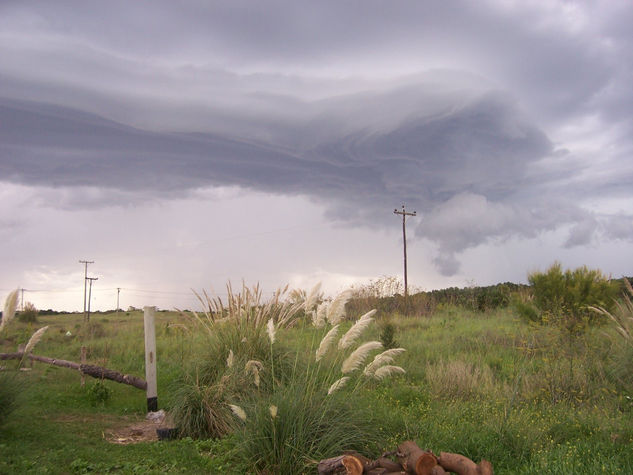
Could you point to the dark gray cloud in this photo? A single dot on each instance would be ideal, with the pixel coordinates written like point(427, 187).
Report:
point(483, 147)
point(492, 119)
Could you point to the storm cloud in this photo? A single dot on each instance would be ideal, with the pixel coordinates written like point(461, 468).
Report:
point(493, 120)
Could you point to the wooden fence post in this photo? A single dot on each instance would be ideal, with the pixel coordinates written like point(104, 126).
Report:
point(150, 358)
point(82, 360)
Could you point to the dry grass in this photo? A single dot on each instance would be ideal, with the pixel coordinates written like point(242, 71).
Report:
point(459, 380)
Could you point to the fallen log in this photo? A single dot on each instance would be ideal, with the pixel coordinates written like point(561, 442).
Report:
point(415, 460)
point(347, 464)
point(105, 373)
point(97, 372)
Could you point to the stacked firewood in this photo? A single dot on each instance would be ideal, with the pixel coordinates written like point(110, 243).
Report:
point(411, 460)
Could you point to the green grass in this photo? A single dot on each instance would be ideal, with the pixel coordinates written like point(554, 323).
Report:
point(510, 398)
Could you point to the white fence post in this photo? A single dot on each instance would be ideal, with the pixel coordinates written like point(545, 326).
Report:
point(150, 358)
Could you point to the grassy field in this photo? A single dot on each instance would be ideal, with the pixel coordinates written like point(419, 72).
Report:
point(485, 385)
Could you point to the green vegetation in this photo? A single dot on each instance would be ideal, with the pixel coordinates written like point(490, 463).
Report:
point(483, 382)
point(564, 298)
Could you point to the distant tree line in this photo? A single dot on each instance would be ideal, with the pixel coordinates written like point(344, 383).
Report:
point(481, 298)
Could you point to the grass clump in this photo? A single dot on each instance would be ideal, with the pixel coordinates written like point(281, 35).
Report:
point(300, 424)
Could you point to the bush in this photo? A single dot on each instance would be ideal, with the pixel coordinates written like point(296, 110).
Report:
point(387, 336)
point(99, 393)
point(565, 298)
point(28, 314)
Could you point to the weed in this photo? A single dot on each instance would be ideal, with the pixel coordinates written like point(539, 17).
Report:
point(99, 393)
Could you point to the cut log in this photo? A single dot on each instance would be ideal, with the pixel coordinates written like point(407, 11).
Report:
point(347, 464)
point(364, 460)
point(375, 471)
point(485, 468)
point(388, 464)
point(438, 470)
point(414, 460)
point(458, 464)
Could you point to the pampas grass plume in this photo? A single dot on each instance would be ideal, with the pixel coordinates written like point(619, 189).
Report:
point(355, 331)
point(270, 328)
point(358, 356)
point(273, 411)
point(238, 411)
point(320, 316)
point(326, 342)
point(229, 359)
point(338, 384)
point(35, 338)
point(10, 306)
point(336, 310)
point(312, 297)
point(388, 370)
point(382, 359)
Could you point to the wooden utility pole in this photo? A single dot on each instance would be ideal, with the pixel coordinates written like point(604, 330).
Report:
point(85, 282)
point(87, 319)
point(404, 214)
point(118, 291)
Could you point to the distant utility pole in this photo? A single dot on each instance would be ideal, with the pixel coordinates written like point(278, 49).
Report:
point(118, 291)
point(87, 319)
point(85, 282)
point(22, 300)
point(404, 214)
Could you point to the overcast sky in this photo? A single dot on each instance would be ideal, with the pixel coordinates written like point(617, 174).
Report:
point(182, 144)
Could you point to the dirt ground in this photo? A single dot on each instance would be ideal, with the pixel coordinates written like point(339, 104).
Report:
point(142, 431)
point(138, 431)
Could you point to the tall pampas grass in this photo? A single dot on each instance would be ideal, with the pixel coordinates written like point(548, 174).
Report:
point(622, 316)
point(229, 359)
point(10, 306)
point(326, 342)
point(254, 366)
point(312, 297)
point(338, 384)
point(35, 338)
point(355, 331)
point(238, 411)
point(382, 359)
point(270, 329)
point(319, 318)
point(358, 356)
point(336, 310)
point(388, 370)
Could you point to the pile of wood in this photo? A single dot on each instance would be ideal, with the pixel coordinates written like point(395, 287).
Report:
point(411, 460)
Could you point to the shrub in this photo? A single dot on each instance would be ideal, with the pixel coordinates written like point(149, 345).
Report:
point(28, 314)
point(99, 393)
point(565, 298)
point(387, 336)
